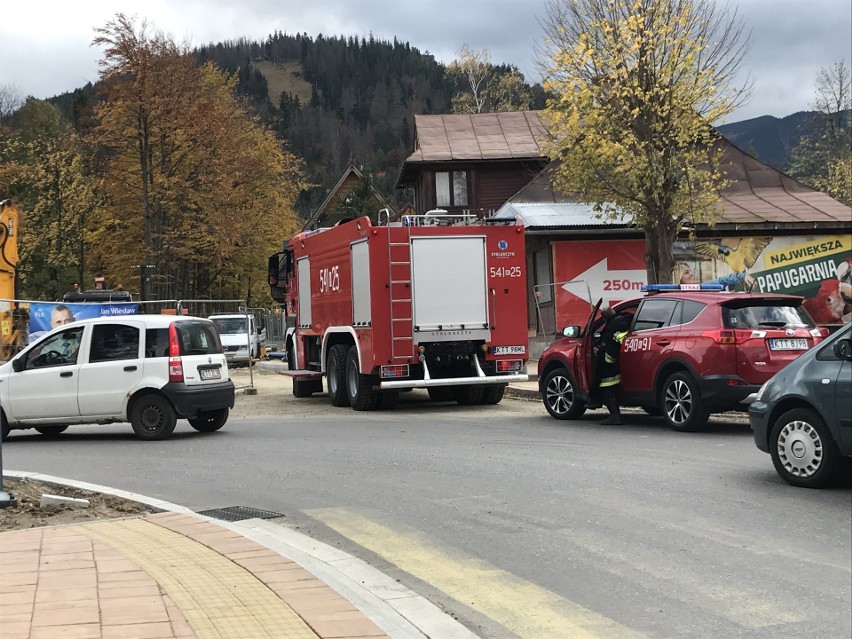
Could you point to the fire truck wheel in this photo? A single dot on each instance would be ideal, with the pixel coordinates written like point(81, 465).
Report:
point(388, 400)
point(492, 394)
point(291, 356)
point(335, 367)
point(441, 393)
point(359, 387)
point(560, 395)
point(469, 395)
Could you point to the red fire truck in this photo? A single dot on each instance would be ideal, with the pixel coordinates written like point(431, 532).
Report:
point(436, 301)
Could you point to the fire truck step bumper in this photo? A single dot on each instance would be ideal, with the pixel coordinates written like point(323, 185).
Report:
point(454, 381)
point(301, 373)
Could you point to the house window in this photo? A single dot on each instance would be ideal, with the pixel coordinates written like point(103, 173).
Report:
point(451, 188)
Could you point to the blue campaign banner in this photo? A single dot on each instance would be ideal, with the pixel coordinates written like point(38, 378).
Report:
point(45, 316)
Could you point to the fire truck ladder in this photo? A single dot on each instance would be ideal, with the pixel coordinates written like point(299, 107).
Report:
point(401, 323)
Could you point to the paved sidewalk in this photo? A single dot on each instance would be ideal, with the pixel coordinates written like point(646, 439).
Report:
point(176, 574)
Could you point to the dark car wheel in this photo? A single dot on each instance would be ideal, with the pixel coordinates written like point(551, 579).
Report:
point(53, 430)
point(560, 396)
point(209, 421)
point(335, 368)
point(152, 417)
point(802, 449)
point(4, 426)
point(683, 407)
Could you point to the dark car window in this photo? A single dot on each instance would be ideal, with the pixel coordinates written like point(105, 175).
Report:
point(765, 315)
point(111, 342)
point(157, 342)
point(691, 310)
point(198, 338)
point(57, 350)
point(826, 351)
point(655, 314)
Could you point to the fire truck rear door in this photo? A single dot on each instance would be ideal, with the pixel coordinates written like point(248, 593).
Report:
point(449, 285)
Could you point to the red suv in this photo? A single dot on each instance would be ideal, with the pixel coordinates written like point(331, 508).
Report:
point(688, 353)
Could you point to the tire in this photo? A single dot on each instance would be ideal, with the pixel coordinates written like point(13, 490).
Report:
point(560, 395)
point(468, 395)
point(335, 368)
point(5, 429)
point(388, 400)
point(291, 356)
point(441, 393)
point(152, 417)
point(682, 405)
point(492, 394)
point(359, 388)
point(209, 421)
point(802, 449)
point(53, 430)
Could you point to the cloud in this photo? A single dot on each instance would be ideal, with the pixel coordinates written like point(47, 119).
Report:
point(47, 46)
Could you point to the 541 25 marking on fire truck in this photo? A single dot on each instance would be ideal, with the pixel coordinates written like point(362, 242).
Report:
point(505, 271)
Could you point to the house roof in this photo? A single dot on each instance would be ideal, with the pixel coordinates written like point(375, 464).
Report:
point(759, 196)
point(338, 193)
point(509, 135)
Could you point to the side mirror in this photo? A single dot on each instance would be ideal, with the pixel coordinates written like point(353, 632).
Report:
point(843, 349)
point(18, 364)
point(571, 331)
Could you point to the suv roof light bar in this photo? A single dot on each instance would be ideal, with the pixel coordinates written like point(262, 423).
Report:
point(658, 288)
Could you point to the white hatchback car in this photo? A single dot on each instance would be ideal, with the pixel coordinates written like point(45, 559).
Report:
point(148, 370)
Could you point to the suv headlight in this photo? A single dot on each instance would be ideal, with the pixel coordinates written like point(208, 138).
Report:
point(759, 396)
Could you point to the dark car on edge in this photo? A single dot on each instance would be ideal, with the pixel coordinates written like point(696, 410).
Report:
point(802, 416)
point(690, 351)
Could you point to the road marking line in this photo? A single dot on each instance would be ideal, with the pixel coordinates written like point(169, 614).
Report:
point(523, 607)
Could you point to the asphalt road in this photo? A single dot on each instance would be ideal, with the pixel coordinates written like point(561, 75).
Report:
point(517, 524)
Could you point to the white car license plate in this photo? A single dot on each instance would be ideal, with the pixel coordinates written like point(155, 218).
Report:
point(211, 373)
point(788, 344)
point(509, 350)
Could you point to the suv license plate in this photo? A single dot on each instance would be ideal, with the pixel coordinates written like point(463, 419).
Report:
point(788, 344)
point(210, 373)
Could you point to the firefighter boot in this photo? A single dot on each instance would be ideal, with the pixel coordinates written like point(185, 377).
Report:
point(614, 418)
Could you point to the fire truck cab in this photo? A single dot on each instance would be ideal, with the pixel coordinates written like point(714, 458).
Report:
point(436, 301)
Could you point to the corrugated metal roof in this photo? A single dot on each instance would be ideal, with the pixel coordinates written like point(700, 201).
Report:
point(554, 214)
point(758, 195)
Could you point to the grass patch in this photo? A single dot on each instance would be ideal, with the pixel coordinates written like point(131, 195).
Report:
point(285, 76)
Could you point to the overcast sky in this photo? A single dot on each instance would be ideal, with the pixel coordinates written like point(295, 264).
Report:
point(46, 46)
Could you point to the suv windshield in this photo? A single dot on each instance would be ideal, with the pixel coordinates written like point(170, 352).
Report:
point(230, 325)
point(766, 315)
point(197, 338)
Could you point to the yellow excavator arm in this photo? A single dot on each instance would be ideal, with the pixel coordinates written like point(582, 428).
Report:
point(12, 319)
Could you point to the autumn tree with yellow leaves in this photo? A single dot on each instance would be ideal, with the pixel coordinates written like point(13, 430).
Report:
point(639, 84)
point(196, 192)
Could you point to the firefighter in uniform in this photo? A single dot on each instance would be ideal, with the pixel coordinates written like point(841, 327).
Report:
point(608, 370)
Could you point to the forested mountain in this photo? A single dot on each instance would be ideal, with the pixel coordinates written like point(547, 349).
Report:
point(335, 100)
point(349, 100)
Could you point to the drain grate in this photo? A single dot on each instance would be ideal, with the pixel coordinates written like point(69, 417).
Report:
point(238, 513)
